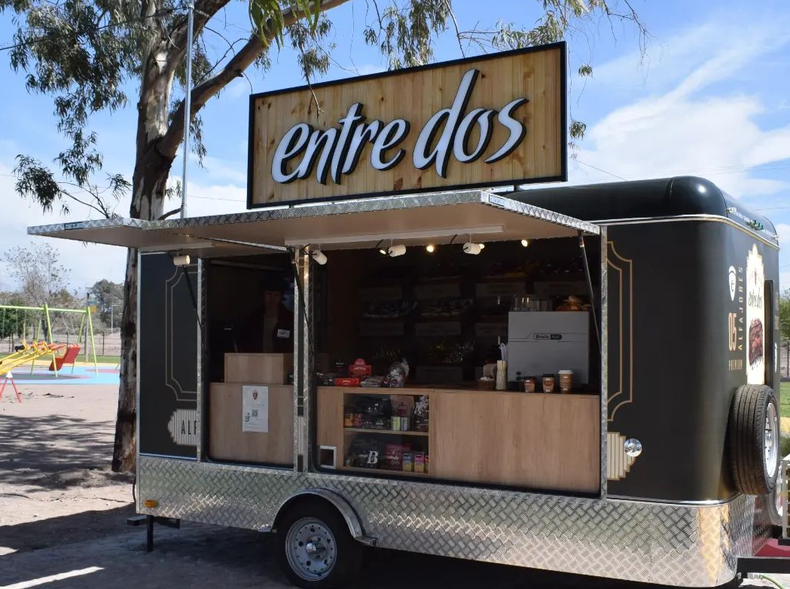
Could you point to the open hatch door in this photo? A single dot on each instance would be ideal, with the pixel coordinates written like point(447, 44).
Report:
point(475, 215)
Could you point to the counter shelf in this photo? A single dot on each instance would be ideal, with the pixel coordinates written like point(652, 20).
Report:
point(529, 440)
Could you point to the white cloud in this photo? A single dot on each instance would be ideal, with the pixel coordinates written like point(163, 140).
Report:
point(237, 89)
point(89, 262)
point(734, 39)
point(217, 169)
point(215, 199)
point(682, 131)
point(369, 68)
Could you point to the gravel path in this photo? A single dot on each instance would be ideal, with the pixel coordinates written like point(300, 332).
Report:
point(62, 512)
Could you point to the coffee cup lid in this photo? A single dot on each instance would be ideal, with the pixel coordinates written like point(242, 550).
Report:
point(566, 372)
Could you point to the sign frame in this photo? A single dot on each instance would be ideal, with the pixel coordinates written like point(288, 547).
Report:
point(561, 177)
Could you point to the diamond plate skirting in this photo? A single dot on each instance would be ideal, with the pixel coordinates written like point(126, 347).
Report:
point(683, 545)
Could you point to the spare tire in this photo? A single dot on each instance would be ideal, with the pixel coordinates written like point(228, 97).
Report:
point(753, 439)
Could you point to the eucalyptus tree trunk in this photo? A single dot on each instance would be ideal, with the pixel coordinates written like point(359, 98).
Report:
point(158, 137)
point(149, 183)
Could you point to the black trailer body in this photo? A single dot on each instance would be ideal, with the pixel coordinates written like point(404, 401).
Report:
point(689, 331)
point(167, 334)
point(679, 253)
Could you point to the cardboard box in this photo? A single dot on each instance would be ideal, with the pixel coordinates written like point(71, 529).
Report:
point(258, 368)
point(347, 382)
point(228, 441)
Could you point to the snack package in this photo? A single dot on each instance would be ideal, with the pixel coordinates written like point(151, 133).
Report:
point(419, 462)
point(421, 414)
point(364, 453)
point(360, 369)
point(372, 382)
point(393, 456)
point(398, 373)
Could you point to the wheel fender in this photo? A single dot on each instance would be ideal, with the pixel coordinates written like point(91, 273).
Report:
point(339, 502)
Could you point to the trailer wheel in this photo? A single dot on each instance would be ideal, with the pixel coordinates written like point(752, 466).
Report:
point(773, 503)
point(316, 550)
point(753, 439)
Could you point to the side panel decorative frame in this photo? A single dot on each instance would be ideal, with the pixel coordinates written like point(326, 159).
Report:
point(625, 385)
point(604, 346)
point(201, 397)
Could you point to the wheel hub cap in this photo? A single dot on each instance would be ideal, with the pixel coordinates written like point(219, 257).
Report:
point(310, 549)
point(771, 441)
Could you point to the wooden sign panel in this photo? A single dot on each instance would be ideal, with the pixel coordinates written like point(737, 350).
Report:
point(485, 121)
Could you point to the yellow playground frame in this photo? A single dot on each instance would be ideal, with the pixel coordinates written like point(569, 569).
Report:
point(39, 348)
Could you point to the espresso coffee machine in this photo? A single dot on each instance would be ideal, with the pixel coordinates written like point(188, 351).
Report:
point(542, 342)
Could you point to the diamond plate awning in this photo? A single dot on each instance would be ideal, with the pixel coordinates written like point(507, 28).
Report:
point(411, 220)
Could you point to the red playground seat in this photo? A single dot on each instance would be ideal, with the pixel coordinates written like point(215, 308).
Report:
point(72, 351)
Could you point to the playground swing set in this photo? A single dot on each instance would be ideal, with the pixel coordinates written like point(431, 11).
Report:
point(35, 321)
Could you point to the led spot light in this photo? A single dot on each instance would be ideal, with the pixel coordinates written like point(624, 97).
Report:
point(473, 249)
point(319, 257)
point(396, 250)
point(183, 260)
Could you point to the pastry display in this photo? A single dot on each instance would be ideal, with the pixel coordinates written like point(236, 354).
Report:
point(389, 310)
point(446, 308)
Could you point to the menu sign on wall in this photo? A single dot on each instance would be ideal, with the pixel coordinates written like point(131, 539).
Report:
point(485, 121)
point(755, 317)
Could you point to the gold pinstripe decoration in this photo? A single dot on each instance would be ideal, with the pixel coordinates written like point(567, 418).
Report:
point(618, 463)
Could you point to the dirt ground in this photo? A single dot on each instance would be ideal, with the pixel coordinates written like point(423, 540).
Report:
point(54, 458)
point(63, 514)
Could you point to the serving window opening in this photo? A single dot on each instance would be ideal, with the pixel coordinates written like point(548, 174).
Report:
point(248, 327)
point(473, 362)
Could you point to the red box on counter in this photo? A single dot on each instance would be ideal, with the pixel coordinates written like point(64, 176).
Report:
point(346, 382)
point(360, 369)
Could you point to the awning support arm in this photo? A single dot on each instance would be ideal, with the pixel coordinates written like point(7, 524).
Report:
point(263, 246)
point(590, 290)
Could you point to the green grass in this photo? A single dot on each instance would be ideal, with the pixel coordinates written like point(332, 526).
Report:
point(784, 411)
point(101, 359)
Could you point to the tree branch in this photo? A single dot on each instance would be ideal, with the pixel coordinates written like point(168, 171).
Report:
point(235, 67)
point(169, 214)
point(455, 24)
point(204, 11)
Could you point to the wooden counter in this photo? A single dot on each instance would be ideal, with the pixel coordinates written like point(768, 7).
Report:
point(531, 440)
point(227, 441)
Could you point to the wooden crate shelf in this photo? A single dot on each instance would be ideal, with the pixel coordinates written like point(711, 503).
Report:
point(384, 472)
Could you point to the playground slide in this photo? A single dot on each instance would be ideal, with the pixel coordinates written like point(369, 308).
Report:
point(28, 354)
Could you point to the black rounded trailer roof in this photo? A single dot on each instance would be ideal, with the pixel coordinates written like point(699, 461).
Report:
point(663, 197)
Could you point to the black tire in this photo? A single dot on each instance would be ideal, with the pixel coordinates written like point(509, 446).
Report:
point(746, 439)
point(346, 552)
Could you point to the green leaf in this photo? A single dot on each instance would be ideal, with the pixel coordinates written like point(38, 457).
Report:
point(268, 17)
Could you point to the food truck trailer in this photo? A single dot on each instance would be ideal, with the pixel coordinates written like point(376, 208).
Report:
point(416, 355)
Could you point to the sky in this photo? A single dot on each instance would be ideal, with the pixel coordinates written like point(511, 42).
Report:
point(708, 96)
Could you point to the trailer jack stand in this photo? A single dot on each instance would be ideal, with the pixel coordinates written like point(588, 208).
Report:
point(150, 520)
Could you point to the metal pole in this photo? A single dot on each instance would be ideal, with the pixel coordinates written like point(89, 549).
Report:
point(79, 338)
point(93, 344)
point(590, 290)
point(187, 105)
